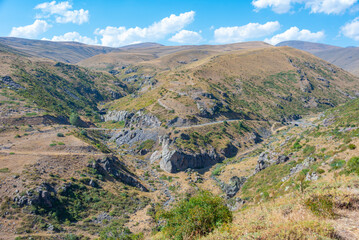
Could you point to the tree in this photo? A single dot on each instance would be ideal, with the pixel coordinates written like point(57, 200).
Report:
point(197, 216)
point(75, 119)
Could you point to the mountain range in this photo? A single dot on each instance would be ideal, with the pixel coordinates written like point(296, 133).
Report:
point(121, 143)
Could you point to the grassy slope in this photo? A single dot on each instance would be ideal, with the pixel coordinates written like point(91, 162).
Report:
point(57, 87)
point(261, 84)
point(69, 52)
point(296, 208)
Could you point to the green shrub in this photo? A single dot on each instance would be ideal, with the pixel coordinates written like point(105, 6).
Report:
point(308, 150)
point(321, 205)
point(148, 144)
point(197, 216)
point(296, 145)
point(337, 164)
point(4, 170)
point(352, 146)
point(74, 119)
point(353, 165)
point(60, 135)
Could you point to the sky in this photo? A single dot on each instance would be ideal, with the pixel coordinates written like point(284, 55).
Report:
point(171, 22)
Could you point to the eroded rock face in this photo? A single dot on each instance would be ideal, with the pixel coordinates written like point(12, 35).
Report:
point(110, 165)
point(267, 159)
point(133, 119)
point(132, 137)
point(174, 160)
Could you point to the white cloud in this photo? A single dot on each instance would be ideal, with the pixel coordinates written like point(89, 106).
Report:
point(63, 12)
point(242, 33)
point(186, 37)
point(351, 30)
point(278, 6)
point(119, 36)
point(30, 31)
point(294, 33)
point(329, 6)
point(74, 37)
point(315, 6)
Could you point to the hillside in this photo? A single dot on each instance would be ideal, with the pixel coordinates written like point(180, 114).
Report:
point(55, 87)
point(261, 84)
point(346, 58)
point(134, 55)
point(68, 52)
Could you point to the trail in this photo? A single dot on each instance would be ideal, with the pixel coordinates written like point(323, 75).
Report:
point(46, 153)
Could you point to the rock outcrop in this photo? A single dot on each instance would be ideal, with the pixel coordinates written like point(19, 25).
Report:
point(174, 160)
point(133, 119)
point(110, 165)
point(132, 137)
point(234, 185)
point(267, 159)
point(8, 82)
point(40, 196)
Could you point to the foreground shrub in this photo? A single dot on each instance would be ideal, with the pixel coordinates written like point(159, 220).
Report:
point(321, 205)
point(353, 165)
point(197, 216)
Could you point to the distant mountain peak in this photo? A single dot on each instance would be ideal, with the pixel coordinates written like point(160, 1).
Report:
point(142, 45)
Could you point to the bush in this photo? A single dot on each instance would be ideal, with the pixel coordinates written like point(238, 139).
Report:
point(353, 165)
point(74, 119)
point(352, 146)
point(197, 216)
point(60, 135)
point(321, 205)
point(337, 164)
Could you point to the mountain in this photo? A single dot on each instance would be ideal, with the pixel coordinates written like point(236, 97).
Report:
point(346, 58)
point(308, 46)
point(261, 82)
point(118, 60)
point(68, 52)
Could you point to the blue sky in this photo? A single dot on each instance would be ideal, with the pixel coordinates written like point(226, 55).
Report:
point(172, 22)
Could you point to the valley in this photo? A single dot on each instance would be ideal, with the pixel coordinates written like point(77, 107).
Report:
point(110, 143)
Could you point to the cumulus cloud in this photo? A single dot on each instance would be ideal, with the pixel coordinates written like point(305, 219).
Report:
point(294, 33)
point(73, 37)
point(30, 31)
point(242, 33)
point(315, 6)
point(351, 29)
point(119, 36)
point(278, 6)
point(186, 37)
point(63, 12)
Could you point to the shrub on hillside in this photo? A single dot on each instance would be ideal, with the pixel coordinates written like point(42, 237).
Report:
point(353, 165)
point(197, 216)
point(321, 205)
point(74, 119)
point(60, 135)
